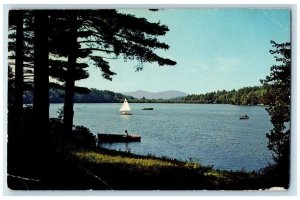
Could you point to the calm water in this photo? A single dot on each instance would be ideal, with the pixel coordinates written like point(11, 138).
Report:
point(211, 134)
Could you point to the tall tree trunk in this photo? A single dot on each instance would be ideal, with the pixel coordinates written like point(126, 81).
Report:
point(41, 74)
point(70, 81)
point(16, 108)
point(19, 78)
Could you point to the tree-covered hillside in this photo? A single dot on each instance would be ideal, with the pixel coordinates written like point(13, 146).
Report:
point(94, 96)
point(244, 96)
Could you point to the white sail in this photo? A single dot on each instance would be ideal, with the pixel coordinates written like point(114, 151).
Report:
point(125, 108)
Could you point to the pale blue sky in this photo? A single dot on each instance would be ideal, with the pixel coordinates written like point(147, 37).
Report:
point(215, 49)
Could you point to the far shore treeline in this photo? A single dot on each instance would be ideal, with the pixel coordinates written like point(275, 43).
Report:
point(244, 96)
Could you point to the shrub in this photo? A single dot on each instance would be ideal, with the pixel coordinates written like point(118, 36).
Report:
point(84, 138)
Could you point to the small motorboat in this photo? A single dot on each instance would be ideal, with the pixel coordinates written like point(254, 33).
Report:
point(147, 109)
point(244, 116)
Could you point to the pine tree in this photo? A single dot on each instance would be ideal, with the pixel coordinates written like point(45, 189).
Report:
point(41, 73)
point(98, 35)
point(279, 86)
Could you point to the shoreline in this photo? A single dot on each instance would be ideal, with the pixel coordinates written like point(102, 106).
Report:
point(190, 103)
point(169, 173)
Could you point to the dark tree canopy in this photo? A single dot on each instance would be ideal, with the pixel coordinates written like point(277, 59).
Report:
point(92, 37)
point(279, 82)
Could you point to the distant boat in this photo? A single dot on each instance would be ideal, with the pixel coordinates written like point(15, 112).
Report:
point(147, 109)
point(125, 108)
point(244, 116)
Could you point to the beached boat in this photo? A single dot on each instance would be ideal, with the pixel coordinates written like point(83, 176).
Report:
point(117, 138)
point(125, 108)
point(147, 109)
point(244, 116)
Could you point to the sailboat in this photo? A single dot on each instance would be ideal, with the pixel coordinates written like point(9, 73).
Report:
point(125, 108)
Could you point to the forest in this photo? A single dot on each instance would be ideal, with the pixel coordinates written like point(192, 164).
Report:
point(245, 96)
point(92, 96)
point(257, 95)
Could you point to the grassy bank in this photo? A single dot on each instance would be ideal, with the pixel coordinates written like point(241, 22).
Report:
point(103, 169)
point(126, 171)
point(131, 161)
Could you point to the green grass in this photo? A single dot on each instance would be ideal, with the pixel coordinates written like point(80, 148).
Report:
point(215, 173)
point(123, 170)
point(102, 158)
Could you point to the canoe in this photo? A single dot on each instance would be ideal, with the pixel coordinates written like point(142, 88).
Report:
point(117, 138)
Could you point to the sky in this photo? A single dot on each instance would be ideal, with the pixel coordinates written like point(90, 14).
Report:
point(215, 49)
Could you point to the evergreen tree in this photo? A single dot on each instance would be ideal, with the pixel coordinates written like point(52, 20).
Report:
point(98, 35)
point(70, 80)
point(41, 73)
point(279, 82)
point(16, 22)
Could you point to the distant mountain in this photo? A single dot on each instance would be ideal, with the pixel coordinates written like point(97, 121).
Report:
point(155, 95)
point(105, 96)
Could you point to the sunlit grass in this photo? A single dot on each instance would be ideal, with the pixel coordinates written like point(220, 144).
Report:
point(215, 173)
point(140, 162)
point(162, 171)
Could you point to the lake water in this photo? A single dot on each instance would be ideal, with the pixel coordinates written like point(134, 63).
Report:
point(211, 134)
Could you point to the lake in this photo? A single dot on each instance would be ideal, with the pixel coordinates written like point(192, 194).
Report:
point(210, 134)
